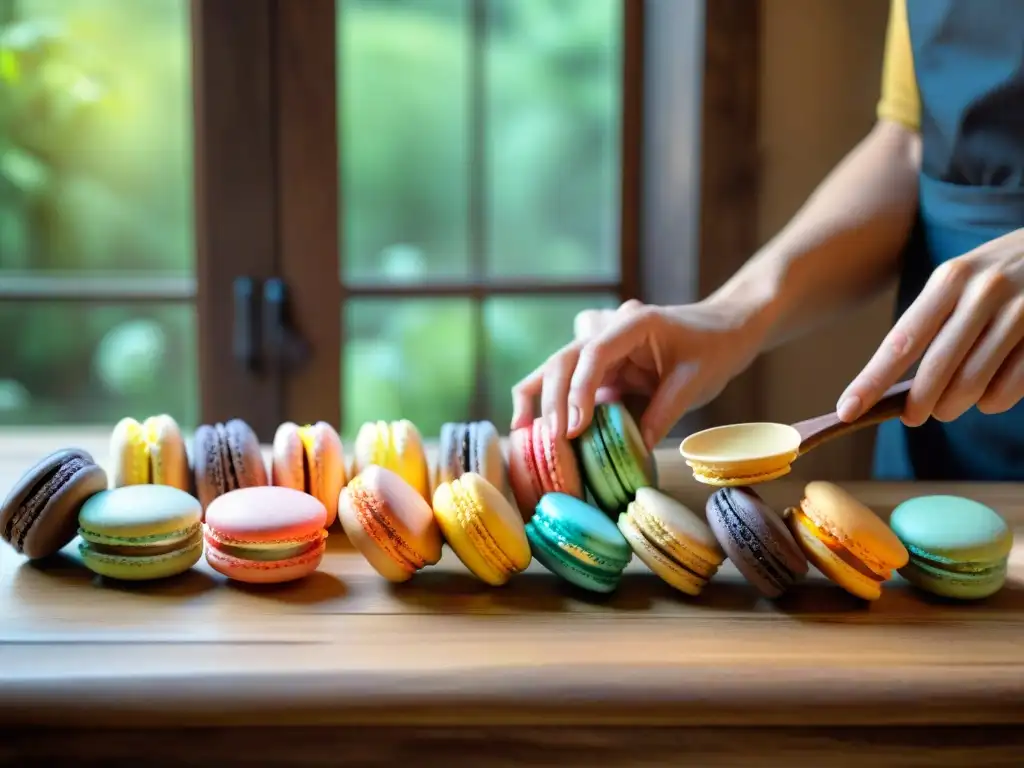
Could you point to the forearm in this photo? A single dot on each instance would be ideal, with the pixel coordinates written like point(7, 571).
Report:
point(840, 249)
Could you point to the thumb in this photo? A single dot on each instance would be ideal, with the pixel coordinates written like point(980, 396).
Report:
point(670, 401)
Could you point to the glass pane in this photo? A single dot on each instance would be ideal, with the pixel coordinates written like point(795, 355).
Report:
point(403, 139)
point(553, 113)
point(84, 364)
point(411, 359)
point(95, 136)
point(521, 333)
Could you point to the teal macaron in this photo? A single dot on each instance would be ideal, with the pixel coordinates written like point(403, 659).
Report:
point(959, 548)
point(615, 461)
point(578, 542)
point(140, 532)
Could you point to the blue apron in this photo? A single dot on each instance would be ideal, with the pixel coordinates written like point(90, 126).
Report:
point(969, 65)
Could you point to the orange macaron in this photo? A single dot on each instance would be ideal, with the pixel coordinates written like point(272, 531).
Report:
point(845, 540)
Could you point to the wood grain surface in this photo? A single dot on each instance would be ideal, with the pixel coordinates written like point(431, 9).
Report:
point(346, 648)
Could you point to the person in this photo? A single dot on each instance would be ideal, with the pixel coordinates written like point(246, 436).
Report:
point(934, 195)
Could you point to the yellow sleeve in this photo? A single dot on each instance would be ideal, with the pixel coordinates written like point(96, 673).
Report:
point(900, 100)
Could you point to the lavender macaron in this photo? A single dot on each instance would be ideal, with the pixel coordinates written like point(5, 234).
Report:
point(226, 457)
point(756, 539)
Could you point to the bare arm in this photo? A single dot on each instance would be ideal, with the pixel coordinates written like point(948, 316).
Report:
point(840, 249)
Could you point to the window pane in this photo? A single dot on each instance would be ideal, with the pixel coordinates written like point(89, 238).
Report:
point(553, 112)
point(95, 136)
point(521, 333)
point(411, 359)
point(403, 138)
point(82, 364)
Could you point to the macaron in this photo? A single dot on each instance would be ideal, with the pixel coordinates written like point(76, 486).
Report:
point(845, 540)
point(152, 451)
point(756, 539)
point(578, 542)
point(310, 459)
point(39, 517)
point(140, 532)
point(541, 462)
point(398, 447)
point(482, 528)
point(226, 457)
point(471, 447)
point(265, 535)
point(959, 548)
point(615, 461)
point(390, 523)
point(671, 540)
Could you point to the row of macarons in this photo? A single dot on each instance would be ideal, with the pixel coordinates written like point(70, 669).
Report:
point(948, 545)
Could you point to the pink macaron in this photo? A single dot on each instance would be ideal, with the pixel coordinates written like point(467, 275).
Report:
point(265, 534)
point(540, 463)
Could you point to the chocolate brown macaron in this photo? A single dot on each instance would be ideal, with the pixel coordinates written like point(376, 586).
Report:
point(40, 515)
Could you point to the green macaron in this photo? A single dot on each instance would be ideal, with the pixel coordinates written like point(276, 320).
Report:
point(140, 532)
point(614, 459)
point(578, 542)
point(959, 548)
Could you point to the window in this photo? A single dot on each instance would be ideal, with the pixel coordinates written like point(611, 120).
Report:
point(97, 273)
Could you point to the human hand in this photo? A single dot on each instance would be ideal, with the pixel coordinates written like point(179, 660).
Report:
point(967, 329)
point(679, 357)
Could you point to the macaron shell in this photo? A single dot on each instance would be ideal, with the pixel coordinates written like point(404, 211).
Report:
point(129, 457)
point(707, 476)
point(668, 571)
point(859, 529)
point(486, 458)
point(266, 571)
point(244, 454)
point(560, 461)
point(55, 488)
point(598, 472)
point(958, 586)
point(625, 446)
point(168, 458)
point(266, 514)
point(564, 565)
point(826, 561)
point(326, 458)
point(208, 459)
point(287, 458)
point(951, 529)
point(449, 450)
point(677, 530)
point(583, 530)
point(146, 512)
point(522, 471)
point(142, 568)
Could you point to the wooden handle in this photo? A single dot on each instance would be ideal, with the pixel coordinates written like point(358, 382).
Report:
point(820, 429)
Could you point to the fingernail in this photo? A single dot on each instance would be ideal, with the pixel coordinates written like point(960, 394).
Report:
point(849, 408)
point(575, 417)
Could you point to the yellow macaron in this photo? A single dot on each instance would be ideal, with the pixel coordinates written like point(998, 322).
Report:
point(149, 453)
point(396, 446)
point(845, 540)
point(482, 528)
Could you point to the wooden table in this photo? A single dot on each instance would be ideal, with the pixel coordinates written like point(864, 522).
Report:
point(346, 667)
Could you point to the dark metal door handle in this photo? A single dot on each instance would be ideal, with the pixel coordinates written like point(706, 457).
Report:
point(285, 346)
point(245, 334)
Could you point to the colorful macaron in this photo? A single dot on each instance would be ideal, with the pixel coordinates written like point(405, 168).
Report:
point(140, 532)
point(671, 540)
point(959, 548)
point(390, 523)
point(578, 542)
point(845, 540)
point(615, 461)
point(482, 528)
point(756, 539)
point(40, 514)
point(539, 463)
point(396, 446)
point(471, 447)
point(265, 535)
point(310, 459)
point(226, 457)
point(152, 451)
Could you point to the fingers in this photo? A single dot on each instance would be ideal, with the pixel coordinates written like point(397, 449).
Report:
point(951, 345)
point(974, 377)
point(669, 403)
point(523, 395)
point(558, 372)
point(1007, 388)
point(907, 341)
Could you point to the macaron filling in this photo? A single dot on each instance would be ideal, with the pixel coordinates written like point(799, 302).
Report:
point(370, 511)
point(835, 546)
point(266, 551)
point(37, 498)
point(145, 546)
point(306, 437)
point(478, 533)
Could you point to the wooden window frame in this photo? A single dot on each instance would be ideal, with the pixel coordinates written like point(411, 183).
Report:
point(267, 192)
